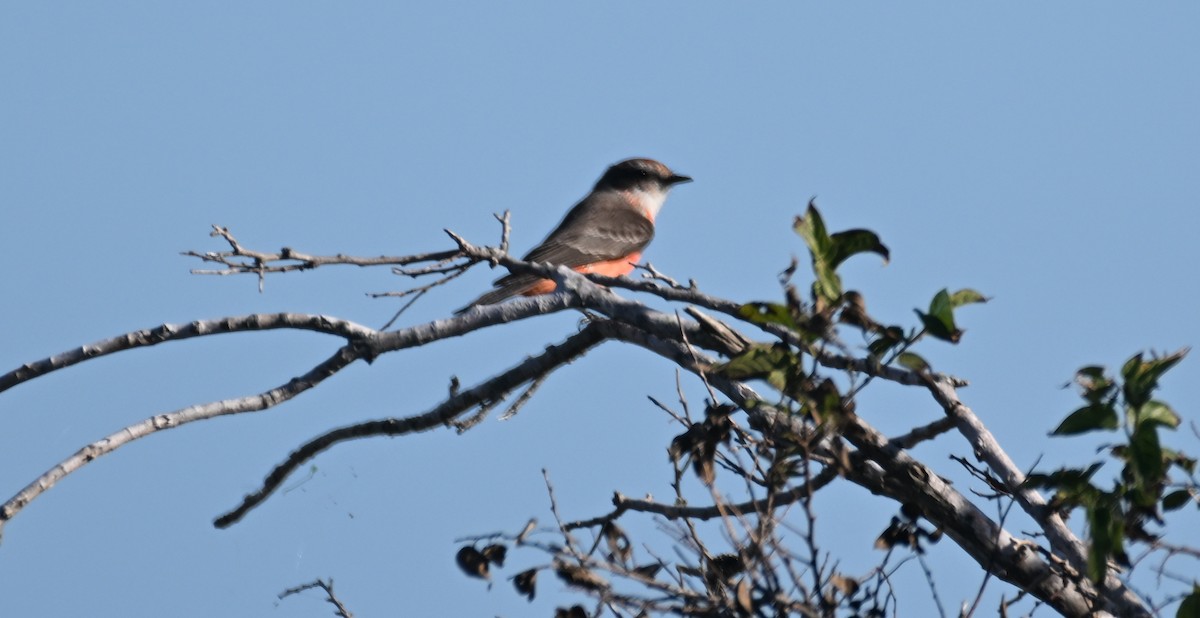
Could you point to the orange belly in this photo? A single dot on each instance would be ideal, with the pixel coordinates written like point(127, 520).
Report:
point(610, 268)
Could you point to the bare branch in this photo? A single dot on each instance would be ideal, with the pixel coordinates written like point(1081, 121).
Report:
point(330, 597)
point(175, 332)
point(505, 228)
point(486, 393)
point(905, 480)
point(523, 398)
point(876, 463)
point(364, 344)
point(654, 274)
point(735, 341)
point(1062, 539)
point(942, 387)
point(923, 433)
point(673, 292)
point(416, 293)
point(675, 511)
point(267, 399)
point(240, 260)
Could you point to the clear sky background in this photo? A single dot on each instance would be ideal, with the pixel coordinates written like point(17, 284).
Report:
point(1048, 156)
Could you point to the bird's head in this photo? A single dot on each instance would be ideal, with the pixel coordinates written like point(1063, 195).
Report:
point(640, 174)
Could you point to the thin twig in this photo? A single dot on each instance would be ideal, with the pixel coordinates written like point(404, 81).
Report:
point(240, 260)
point(523, 398)
point(330, 597)
point(653, 274)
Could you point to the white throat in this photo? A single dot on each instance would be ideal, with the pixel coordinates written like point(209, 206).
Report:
point(650, 200)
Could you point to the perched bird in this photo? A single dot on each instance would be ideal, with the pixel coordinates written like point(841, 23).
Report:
point(605, 233)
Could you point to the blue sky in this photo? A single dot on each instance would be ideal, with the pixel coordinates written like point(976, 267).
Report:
point(1045, 155)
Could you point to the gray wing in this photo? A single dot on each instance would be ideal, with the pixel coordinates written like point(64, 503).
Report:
point(599, 235)
point(596, 232)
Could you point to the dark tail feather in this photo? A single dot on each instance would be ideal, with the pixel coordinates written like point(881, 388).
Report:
point(505, 288)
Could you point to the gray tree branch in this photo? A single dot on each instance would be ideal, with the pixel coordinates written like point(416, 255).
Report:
point(879, 465)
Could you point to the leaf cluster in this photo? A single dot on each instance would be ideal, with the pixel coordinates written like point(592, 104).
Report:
point(1144, 489)
point(829, 304)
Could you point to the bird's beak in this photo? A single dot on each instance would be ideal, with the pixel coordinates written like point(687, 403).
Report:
point(676, 179)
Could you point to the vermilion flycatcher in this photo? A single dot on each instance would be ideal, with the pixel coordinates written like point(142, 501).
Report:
point(605, 233)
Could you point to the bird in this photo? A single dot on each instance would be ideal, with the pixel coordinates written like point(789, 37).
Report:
point(605, 233)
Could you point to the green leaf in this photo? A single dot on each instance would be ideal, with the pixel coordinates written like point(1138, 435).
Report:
point(1108, 540)
point(913, 362)
point(1096, 386)
point(829, 251)
point(1089, 418)
point(1176, 500)
point(853, 242)
point(825, 401)
point(810, 227)
point(1141, 376)
point(1179, 459)
point(939, 322)
point(1075, 482)
point(1146, 457)
point(888, 338)
point(1102, 541)
point(773, 363)
point(967, 296)
point(1190, 607)
point(1156, 413)
point(768, 313)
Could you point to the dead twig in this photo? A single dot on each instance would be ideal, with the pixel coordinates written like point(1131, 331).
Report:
point(330, 597)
